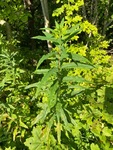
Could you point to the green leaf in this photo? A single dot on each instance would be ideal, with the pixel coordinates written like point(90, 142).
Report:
point(76, 65)
point(57, 25)
point(72, 32)
point(107, 132)
point(77, 57)
point(22, 124)
point(74, 79)
point(73, 28)
point(63, 116)
point(71, 35)
point(41, 71)
point(45, 57)
point(32, 85)
point(58, 129)
point(62, 23)
point(44, 38)
point(94, 147)
point(11, 106)
point(35, 142)
point(15, 132)
point(52, 96)
point(47, 77)
point(49, 35)
point(64, 54)
point(42, 115)
point(69, 65)
point(51, 121)
point(85, 66)
point(77, 91)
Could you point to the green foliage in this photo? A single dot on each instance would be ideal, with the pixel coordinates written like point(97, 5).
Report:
point(73, 91)
point(71, 109)
point(57, 88)
point(66, 103)
point(15, 107)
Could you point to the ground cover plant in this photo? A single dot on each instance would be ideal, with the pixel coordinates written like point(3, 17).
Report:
point(63, 99)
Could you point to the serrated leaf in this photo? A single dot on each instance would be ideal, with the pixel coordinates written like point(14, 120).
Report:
point(35, 142)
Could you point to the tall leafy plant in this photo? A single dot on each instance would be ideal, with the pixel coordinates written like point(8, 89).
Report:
point(55, 119)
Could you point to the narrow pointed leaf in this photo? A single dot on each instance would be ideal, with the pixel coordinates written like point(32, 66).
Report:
point(77, 91)
point(85, 66)
point(72, 35)
point(22, 124)
point(52, 96)
point(69, 65)
point(49, 35)
point(77, 57)
point(32, 85)
point(74, 79)
point(45, 57)
point(41, 71)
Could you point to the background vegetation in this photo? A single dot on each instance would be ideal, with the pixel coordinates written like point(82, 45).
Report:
point(56, 75)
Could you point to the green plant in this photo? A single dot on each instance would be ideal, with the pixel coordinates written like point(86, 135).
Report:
point(71, 112)
point(55, 120)
point(14, 100)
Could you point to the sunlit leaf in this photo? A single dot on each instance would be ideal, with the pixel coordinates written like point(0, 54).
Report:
point(22, 124)
point(32, 85)
point(41, 71)
point(15, 132)
point(74, 79)
point(94, 147)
